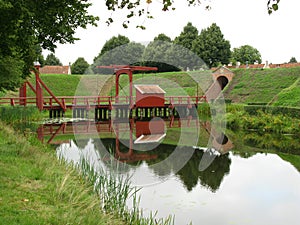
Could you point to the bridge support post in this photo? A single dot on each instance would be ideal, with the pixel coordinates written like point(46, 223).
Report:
point(22, 94)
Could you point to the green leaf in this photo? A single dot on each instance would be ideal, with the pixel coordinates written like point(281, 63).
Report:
point(275, 7)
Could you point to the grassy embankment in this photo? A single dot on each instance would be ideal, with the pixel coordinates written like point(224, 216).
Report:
point(265, 86)
point(36, 188)
point(271, 87)
point(277, 87)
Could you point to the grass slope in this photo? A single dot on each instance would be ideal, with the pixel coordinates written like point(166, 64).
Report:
point(289, 96)
point(256, 85)
point(276, 86)
point(36, 189)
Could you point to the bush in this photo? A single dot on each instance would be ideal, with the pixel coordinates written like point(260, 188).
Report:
point(287, 111)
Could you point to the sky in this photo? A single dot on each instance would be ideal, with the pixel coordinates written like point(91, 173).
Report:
point(276, 36)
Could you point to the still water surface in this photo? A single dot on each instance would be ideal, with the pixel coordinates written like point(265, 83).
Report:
point(255, 181)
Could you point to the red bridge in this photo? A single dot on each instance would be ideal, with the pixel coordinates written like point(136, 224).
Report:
point(149, 100)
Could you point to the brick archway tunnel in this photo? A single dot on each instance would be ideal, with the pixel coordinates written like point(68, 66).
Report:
point(223, 81)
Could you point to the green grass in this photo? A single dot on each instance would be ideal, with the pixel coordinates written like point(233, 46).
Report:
point(18, 114)
point(289, 96)
point(256, 85)
point(293, 159)
point(59, 84)
point(274, 86)
point(36, 189)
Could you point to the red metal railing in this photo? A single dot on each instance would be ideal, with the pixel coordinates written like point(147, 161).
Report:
point(93, 101)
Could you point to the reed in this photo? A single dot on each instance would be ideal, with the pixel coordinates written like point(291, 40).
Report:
point(16, 114)
point(114, 191)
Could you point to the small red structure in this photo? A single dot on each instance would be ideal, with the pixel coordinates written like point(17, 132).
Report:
point(127, 69)
point(149, 96)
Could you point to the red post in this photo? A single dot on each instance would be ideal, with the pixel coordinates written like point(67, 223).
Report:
point(38, 88)
point(22, 94)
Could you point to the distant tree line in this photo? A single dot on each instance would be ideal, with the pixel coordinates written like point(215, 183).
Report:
point(190, 50)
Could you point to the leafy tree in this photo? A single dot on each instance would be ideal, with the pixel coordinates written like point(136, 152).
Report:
point(112, 43)
point(246, 54)
point(26, 24)
point(211, 46)
point(136, 8)
point(187, 36)
point(157, 54)
point(52, 60)
point(162, 37)
point(79, 66)
point(127, 54)
point(293, 60)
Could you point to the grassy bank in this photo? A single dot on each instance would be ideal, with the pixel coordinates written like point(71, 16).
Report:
point(257, 86)
point(36, 189)
point(262, 122)
point(279, 87)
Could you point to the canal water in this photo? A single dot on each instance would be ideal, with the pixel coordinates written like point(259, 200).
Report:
point(246, 178)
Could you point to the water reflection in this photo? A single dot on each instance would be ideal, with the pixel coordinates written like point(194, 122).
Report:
point(245, 183)
point(155, 142)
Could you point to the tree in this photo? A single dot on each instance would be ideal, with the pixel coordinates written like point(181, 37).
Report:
point(162, 37)
point(157, 54)
point(112, 43)
point(52, 60)
point(136, 8)
point(79, 66)
point(211, 46)
point(187, 36)
point(293, 60)
point(126, 54)
point(27, 24)
point(246, 54)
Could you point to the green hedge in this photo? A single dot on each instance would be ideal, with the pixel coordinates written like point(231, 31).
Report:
point(288, 111)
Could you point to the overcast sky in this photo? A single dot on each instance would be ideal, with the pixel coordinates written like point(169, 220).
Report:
point(276, 36)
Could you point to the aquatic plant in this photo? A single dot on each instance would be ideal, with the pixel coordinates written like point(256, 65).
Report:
point(115, 191)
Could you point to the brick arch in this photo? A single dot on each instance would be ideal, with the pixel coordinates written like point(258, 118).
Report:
point(223, 75)
point(223, 81)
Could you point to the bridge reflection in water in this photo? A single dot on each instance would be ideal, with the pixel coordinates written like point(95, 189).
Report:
point(150, 141)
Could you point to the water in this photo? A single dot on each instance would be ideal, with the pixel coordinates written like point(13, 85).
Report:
point(252, 179)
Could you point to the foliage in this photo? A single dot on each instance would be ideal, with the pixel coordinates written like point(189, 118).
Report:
point(246, 54)
point(211, 46)
point(112, 44)
point(52, 60)
point(113, 47)
point(127, 54)
point(27, 24)
point(157, 54)
point(293, 60)
point(79, 66)
point(162, 37)
point(187, 36)
point(272, 5)
point(274, 110)
point(263, 122)
point(139, 8)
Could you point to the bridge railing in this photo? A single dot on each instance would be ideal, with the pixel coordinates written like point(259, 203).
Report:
point(17, 101)
point(178, 100)
point(92, 101)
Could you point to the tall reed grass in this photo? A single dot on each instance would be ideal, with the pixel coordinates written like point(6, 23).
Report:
point(15, 114)
point(114, 191)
